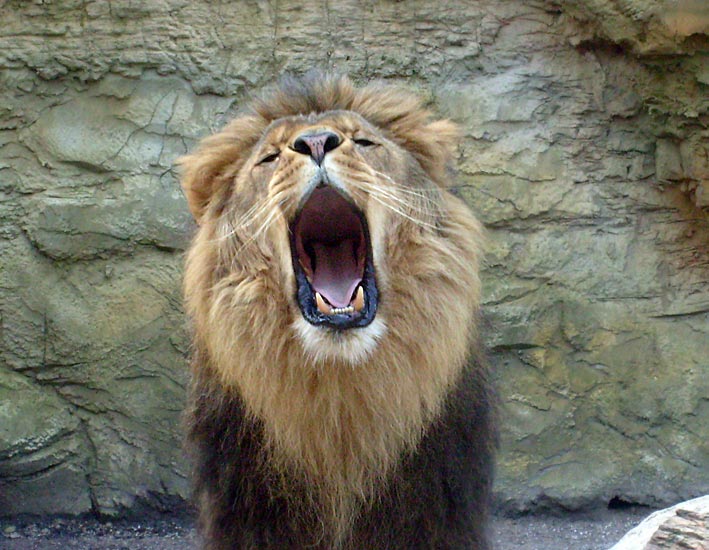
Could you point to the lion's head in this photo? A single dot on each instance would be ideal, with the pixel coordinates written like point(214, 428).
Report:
point(333, 279)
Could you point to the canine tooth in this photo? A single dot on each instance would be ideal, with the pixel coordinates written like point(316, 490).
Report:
point(322, 306)
point(358, 302)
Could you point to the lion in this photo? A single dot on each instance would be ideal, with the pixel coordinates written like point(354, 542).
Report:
point(339, 398)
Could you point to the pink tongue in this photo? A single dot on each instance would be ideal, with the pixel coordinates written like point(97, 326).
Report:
point(336, 274)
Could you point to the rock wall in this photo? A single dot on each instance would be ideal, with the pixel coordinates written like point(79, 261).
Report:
point(585, 152)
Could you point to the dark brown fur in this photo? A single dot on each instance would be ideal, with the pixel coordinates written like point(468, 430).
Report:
point(437, 499)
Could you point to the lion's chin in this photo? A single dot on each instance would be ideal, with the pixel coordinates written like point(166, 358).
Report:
point(327, 345)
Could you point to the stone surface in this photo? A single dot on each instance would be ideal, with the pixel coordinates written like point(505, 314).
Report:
point(648, 26)
point(683, 526)
point(584, 151)
point(41, 455)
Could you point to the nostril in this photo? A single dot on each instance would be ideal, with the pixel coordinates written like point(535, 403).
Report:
point(316, 145)
point(332, 141)
point(301, 146)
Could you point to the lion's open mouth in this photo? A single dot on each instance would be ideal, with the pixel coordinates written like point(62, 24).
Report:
point(332, 260)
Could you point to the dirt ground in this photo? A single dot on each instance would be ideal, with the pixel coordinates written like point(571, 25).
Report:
point(596, 531)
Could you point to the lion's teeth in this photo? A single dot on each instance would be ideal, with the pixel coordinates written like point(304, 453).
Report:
point(358, 302)
point(322, 306)
point(327, 309)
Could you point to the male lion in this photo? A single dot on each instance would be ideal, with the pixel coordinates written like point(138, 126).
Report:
point(333, 288)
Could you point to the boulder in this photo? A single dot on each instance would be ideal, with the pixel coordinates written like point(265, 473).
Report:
point(683, 526)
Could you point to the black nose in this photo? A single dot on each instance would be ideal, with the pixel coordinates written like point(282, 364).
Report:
point(316, 145)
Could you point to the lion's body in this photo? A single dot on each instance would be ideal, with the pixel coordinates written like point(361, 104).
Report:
point(436, 498)
point(362, 427)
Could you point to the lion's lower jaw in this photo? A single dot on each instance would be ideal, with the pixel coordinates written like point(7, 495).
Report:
point(352, 346)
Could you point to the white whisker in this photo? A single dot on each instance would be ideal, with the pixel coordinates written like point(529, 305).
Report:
point(422, 208)
point(401, 213)
point(400, 187)
point(270, 218)
point(253, 213)
point(270, 207)
point(404, 207)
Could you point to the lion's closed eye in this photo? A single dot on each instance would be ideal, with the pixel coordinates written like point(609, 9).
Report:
point(364, 142)
point(272, 157)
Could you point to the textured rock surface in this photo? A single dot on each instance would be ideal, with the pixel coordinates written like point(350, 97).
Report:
point(683, 526)
point(586, 139)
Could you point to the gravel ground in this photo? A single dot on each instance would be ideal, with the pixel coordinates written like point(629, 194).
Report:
point(597, 531)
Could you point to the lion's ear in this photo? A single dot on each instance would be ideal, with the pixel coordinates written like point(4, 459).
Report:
point(445, 135)
point(197, 182)
point(215, 163)
point(438, 144)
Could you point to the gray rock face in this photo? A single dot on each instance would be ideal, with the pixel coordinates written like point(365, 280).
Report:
point(584, 151)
